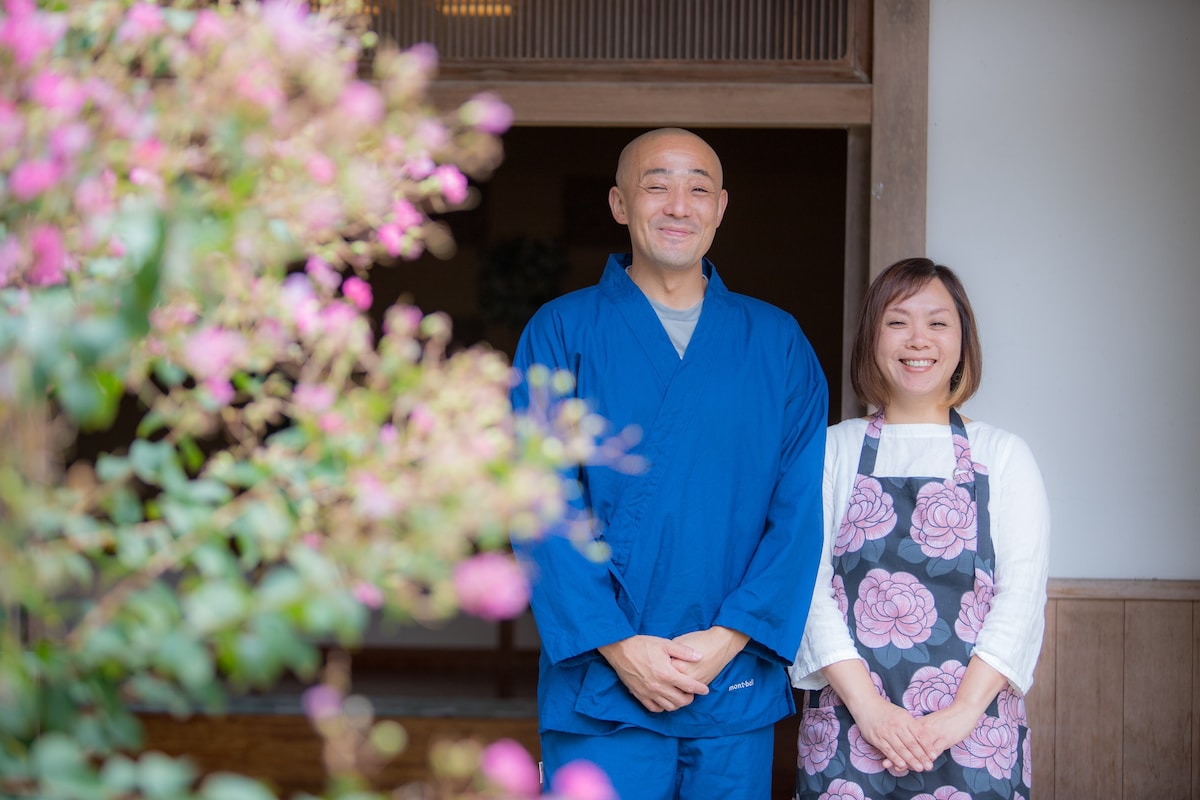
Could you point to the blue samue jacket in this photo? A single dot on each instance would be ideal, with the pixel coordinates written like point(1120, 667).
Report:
point(722, 527)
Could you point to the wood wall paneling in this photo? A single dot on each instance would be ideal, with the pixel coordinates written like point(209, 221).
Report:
point(1158, 699)
point(1040, 705)
point(1089, 694)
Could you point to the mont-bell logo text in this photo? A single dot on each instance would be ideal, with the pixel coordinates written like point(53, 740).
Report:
point(742, 685)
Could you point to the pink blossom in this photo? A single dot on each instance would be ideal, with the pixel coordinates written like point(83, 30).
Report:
point(337, 319)
point(944, 520)
point(331, 423)
point(323, 212)
point(421, 419)
point(208, 29)
point(321, 701)
point(322, 273)
point(141, 176)
point(388, 435)
point(875, 426)
point(288, 20)
point(488, 113)
point(944, 793)
point(142, 21)
point(430, 135)
point(260, 84)
point(963, 469)
point(372, 498)
point(974, 607)
point(893, 609)
point(148, 152)
point(220, 389)
point(865, 756)
point(49, 256)
point(933, 688)
point(453, 183)
point(582, 780)
point(68, 141)
point(368, 594)
point(313, 398)
point(96, 194)
point(29, 179)
point(398, 242)
point(213, 352)
point(991, 746)
point(358, 292)
point(406, 215)
point(312, 540)
point(491, 586)
point(29, 34)
point(12, 126)
point(842, 789)
point(56, 92)
point(507, 764)
point(361, 104)
point(419, 167)
point(1011, 706)
point(423, 55)
point(870, 515)
point(817, 742)
point(839, 596)
point(321, 168)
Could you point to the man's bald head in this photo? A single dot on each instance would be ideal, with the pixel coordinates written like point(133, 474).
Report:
point(627, 164)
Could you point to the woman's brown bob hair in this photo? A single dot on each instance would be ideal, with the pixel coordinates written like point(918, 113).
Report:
point(899, 282)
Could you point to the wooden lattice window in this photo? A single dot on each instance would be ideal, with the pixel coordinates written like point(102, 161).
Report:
point(637, 40)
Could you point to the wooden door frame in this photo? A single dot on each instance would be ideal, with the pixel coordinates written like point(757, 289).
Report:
point(886, 120)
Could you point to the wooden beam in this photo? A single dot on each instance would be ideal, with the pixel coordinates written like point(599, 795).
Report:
point(733, 105)
point(899, 130)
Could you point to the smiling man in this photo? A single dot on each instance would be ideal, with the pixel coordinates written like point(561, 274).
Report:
point(665, 663)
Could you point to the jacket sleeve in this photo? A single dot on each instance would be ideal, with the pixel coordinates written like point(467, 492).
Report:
point(574, 599)
point(770, 605)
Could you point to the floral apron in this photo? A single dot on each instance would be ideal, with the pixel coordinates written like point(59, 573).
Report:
point(913, 563)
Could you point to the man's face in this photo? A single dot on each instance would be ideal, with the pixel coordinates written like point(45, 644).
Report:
point(669, 194)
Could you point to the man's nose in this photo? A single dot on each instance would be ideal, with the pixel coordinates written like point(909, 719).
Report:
point(677, 203)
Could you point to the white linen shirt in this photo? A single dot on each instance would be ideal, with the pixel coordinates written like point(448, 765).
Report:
point(1011, 638)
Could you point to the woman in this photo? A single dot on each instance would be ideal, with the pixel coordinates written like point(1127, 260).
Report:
point(927, 619)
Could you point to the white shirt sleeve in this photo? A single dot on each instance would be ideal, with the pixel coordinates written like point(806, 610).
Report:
point(1011, 637)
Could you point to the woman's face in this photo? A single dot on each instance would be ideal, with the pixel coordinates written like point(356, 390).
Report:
point(918, 348)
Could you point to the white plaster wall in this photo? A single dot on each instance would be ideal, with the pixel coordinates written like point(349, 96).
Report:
point(1064, 172)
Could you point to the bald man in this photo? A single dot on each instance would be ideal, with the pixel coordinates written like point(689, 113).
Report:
point(666, 663)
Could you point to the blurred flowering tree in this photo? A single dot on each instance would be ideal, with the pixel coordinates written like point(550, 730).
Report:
point(191, 200)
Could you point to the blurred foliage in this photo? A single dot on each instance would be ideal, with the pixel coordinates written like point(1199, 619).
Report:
point(191, 200)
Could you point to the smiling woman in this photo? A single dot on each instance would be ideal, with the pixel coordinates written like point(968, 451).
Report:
point(927, 620)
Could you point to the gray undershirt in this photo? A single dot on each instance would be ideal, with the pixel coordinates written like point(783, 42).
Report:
point(679, 323)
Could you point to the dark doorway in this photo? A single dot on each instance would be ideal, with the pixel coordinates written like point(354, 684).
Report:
point(782, 239)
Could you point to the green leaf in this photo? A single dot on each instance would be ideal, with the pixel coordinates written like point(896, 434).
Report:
point(226, 786)
point(119, 774)
point(124, 507)
point(91, 398)
point(162, 776)
point(214, 606)
point(57, 754)
point(113, 469)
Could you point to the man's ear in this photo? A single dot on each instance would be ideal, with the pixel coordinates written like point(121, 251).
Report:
point(617, 203)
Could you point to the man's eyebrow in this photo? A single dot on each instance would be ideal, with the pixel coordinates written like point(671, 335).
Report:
point(665, 171)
